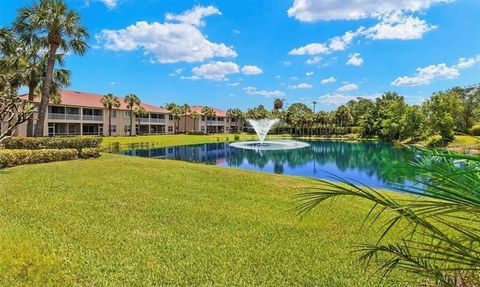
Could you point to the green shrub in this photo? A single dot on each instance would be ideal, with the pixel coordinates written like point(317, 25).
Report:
point(14, 157)
point(89, 153)
point(475, 130)
point(77, 143)
point(236, 137)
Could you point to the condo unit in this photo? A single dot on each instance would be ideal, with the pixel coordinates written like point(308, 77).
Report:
point(81, 113)
point(219, 123)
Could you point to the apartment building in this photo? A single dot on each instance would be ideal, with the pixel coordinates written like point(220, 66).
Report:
point(219, 123)
point(82, 113)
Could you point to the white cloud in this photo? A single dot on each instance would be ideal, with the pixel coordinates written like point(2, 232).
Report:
point(109, 3)
point(398, 26)
point(339, 43)
point(328, 80)
point(286, 63)
point(347, 87)
point(325, 10)
point(301, 86)
point(464, 63)
point(355, 60)
point(233, 84)
point(251, 70)
point(235, 31)
point(293, 78)
point(265, 93)
point(308, 74)
point(216, 71)
point(336, 99)
point(166, 42)
point(313, 60)
point(310, 49)
point(427, 74)
point(194, 16)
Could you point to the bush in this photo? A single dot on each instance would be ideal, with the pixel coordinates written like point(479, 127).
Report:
point(475, 130)
point(89, 153)
point(14, 157)
point(236, 137)
point(77, 143)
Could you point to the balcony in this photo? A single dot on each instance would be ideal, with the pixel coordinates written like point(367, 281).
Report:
point(93, 118)
point(59, 116)
point(215, 123)
point(152, 120)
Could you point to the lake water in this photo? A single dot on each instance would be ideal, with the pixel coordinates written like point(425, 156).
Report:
point(374, 164)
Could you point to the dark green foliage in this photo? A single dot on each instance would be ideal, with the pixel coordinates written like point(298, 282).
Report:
point(10, 158)
point(77, 143)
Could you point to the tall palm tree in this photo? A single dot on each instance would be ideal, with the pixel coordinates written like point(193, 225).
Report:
point(131, 100)
point(185, 109)
point(209, 113)
point(194, 116)
point(109, 101)
point(139, 112)
point(57, 28)
point(176, 113)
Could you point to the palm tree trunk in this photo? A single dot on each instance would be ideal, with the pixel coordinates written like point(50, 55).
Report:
point(185, 118)
point(42, 111)
point(131, 121)
point(109, 122)
point(31, 97)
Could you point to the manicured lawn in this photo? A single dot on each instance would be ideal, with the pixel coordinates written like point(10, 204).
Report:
point(171, 140)
point(127, 221)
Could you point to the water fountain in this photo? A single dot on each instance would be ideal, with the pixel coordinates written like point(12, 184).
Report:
point(262, 127)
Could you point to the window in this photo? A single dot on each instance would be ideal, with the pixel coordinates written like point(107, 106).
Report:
point(203, 128)
point(203, 118)
point(170, 117)
point(127, 128)
point(170, 129)
point(114, 128)
point(127, 114)
point(114, 113)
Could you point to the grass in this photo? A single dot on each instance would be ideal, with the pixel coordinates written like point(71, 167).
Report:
point(127, 221)
point(126, 142)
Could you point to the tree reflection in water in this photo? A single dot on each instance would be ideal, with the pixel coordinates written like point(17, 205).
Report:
point(369, 163)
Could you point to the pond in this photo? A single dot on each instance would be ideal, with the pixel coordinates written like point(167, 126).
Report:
point(369, 163)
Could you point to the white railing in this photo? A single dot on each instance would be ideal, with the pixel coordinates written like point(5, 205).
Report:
point(93, 118)
point(56, 116)
point(218, 123)
point(155, 120)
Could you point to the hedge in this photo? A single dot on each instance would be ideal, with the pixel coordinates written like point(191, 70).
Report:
point(77, 143)
point(475, 130)
point(14, 157)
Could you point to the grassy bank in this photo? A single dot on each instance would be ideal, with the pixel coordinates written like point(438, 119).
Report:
point(127, 221)
point(172, 140)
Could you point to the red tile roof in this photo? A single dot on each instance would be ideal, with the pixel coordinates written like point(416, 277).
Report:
point(198, 109)
point(74, 98)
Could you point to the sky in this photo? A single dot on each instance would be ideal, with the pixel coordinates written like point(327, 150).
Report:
point(239, 54)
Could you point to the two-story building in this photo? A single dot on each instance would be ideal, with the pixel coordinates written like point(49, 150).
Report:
point(219, 123)
point(82, 113)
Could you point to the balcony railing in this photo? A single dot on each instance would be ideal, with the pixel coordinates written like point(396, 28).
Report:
point(156, 120)
point(57, 116)
point(152, 120)
point(93, 118)
point(216, 123)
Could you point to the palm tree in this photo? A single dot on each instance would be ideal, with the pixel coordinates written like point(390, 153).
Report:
point(185, 110)
point(235, 114)
point(131, 100)
point(194, 116)
point(209, 113)
point(278, 104)
point(139, 112)
point(439, 220)
point(57, 28)
point(176, 113)
point(109, 101)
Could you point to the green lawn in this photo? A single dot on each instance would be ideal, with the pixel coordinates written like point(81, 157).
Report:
point(127, 221)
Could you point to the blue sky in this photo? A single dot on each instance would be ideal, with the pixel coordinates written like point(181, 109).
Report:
point(244, 53)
